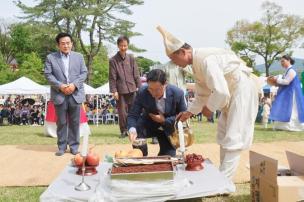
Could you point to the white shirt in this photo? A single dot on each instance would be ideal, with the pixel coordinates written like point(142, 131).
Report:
point(160, 105)
point(287, 78)
point(66, 63)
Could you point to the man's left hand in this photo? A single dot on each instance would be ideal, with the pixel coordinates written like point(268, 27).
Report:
point(206, 112)
point(159, 118)
point(70, 89)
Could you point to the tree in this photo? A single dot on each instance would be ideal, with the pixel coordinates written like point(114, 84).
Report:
point(275, 34)
point(5, 42)
point(32, 67)
point(96, 20)
point(6, 74)
point(27, 38)
point(100, 68)
point(144, 64)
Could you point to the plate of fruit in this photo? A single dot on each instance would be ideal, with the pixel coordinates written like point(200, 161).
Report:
point(91, 162)
point(194, 162)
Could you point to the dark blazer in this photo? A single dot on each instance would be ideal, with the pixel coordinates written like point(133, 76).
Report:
point(145, 104)
point(123, 74)
point(54, 73)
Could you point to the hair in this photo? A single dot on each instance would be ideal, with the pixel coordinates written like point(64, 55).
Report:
point(185, 46)
point(287, 57)
point(157, 75)
point(122, 38)
point(61, 35)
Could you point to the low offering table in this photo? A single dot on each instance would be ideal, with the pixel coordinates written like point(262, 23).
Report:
point(206, 182)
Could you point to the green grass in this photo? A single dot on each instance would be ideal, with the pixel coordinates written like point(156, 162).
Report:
point(108, 134)
point(32, 194)
point(20, 194)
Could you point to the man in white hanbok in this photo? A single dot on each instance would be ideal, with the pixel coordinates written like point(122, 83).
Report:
point(222, 82)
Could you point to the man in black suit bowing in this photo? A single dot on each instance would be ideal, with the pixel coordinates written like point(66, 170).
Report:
point(154, 110)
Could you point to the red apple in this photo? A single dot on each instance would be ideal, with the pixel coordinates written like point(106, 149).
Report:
point(92, 159)
point(78, 160)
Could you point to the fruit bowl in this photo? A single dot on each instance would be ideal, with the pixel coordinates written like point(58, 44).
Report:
point(89, 170)
point(194, 162)
point(91, 162)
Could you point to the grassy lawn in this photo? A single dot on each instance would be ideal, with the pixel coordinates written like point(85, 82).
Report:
point(20, 194)
point(108, 134)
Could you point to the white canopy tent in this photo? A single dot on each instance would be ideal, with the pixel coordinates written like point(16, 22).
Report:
point(23, 86)
point(104, 89)
point(89, 90)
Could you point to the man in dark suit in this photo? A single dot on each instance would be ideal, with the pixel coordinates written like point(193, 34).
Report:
point(65, 71)
point(124, 81)
point(154, 110)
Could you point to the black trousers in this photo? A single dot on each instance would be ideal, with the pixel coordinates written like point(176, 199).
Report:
point(68, 119)
point(145, 129)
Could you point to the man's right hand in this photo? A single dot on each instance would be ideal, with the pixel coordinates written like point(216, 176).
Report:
point(132, 136)
point(183, 116)
point(63, 88)
point(116, 96)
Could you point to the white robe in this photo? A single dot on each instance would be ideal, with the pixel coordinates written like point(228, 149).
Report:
point(223, 82)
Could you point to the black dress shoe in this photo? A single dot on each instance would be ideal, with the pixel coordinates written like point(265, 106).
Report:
point(59, 153)
point(123, 134)
point(74, 152)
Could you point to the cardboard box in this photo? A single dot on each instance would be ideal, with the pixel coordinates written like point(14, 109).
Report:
point(268, 183)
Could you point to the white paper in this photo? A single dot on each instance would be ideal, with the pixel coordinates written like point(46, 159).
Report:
point(181, 136)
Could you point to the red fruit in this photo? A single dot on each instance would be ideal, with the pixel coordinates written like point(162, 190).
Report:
point(78, 160)
point(92, 159)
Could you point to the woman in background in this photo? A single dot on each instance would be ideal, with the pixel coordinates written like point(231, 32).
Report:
point(287, 110)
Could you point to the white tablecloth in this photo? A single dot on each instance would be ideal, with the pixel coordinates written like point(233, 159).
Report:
point(206, 182)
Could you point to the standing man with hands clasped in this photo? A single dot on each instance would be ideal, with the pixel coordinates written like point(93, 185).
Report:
point(65, 71)
point(124, 81)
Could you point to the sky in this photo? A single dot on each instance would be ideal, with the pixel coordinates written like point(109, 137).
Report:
point(200, 23)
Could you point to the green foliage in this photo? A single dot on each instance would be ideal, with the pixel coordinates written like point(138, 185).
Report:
point(6, 74)
point(20, 36)
point(5, 42)
point(274, 34)
point(27, 38)
point(100, 73)
point(32, 67)
point(144, 64)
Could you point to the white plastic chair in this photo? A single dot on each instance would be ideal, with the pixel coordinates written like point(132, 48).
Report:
point(110, 118)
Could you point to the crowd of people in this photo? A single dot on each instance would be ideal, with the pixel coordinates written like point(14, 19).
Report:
point(100, 110)
point(14, 111)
